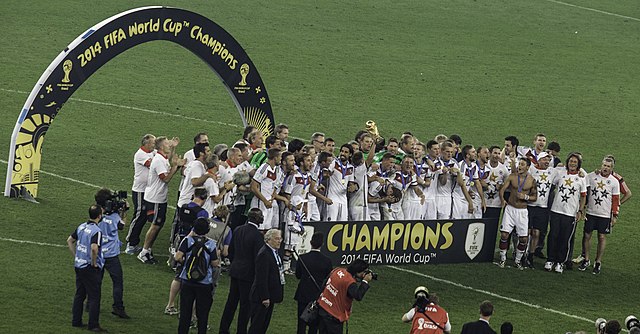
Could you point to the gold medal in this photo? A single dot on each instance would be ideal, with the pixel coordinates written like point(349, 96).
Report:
point(471, 184)
point(389, 209)
point(344, 182)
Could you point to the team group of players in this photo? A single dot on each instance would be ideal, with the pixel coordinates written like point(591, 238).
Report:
point(397, 179)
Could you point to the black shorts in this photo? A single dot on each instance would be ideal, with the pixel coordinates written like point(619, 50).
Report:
point(156, 213)
point(538, 218)
point(603, 225)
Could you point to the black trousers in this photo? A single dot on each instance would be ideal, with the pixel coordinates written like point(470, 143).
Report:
point(139, 218)
point(88, 285)
point(327, 324)
point(302, 326)
point(561, 231)
point(113, 266)
point(238, 293)
point(260, 317)
point(201, 294)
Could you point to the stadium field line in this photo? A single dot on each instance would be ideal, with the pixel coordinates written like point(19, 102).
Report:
point(157, 112)
point(75, 180)
point(492, 294)
point(595, 10)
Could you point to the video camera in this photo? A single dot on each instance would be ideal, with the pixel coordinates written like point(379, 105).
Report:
point(117, 202)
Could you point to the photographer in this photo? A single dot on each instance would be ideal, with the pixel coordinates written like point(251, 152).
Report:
point(342, 287)
point(426, 316)
point(114, 207)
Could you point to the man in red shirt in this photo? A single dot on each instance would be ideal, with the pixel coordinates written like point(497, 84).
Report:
point(342, 287)
point(426, 316)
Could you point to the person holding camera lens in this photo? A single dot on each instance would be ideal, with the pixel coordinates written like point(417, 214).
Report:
point(427, 316)
point(114, 208)
point(342, 287)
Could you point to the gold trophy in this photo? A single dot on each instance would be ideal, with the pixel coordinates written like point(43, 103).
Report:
point(372, 128)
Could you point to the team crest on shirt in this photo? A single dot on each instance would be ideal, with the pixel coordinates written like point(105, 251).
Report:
point(271, 175)
point(475, 239)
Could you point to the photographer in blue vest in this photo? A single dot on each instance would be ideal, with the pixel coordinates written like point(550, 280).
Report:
point(199, 257)
point(114, 210)
point(85, 245)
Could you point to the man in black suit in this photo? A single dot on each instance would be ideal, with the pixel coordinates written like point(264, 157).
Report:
point(246, 243)
point(268, 285)
point(319, 265)
point(481, 326)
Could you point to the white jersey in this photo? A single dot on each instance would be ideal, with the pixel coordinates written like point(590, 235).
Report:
point(212, 188)
point(570, 188)
point(469, 177)
point(341, 174)
point(544, 180)
point(431, 191)
point(188, 157)
point(157, 190)
point(404, 182)
point(141, 163)
point(194, 169)
point(359, 197)
point(497, 176)
point(298, 187)
point(267, 177)
point(446, 189)
point(601, 192)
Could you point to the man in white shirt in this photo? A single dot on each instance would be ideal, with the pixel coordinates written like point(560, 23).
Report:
point(164, 166)
point(263, 186)
point(141, 163)
point(567, 209)
point(341, 173)
point(493, 182)
point(602, 211)
point(538, 210)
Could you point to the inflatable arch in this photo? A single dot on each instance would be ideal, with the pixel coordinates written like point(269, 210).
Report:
point(107, 39)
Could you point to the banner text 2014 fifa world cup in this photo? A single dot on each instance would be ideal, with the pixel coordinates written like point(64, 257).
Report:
point(407, 242)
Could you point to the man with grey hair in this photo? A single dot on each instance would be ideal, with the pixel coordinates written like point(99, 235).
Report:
point(141, 163)
point(317, 140)
point(268, 283)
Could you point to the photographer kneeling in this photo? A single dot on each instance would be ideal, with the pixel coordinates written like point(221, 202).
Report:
point(342, 287)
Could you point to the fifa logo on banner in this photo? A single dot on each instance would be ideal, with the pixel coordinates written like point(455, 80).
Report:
point(244, 71)
point(66, 68)
point(474, 240)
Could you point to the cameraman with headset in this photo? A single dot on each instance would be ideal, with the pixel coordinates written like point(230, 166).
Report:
point(342, 287)
point(114, 207)
point(427, 316)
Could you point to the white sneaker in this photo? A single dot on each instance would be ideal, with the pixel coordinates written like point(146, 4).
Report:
point(132, 250)
point(559, 269)
point(548, 266)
